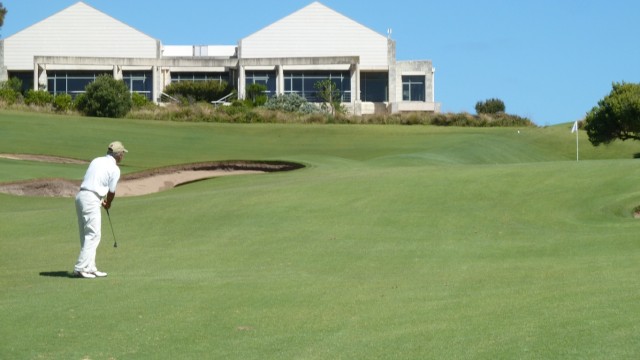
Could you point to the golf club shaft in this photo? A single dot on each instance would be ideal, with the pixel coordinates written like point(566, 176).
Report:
point(115, 243)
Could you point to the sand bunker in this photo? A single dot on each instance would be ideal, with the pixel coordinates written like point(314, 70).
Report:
point(141, 183)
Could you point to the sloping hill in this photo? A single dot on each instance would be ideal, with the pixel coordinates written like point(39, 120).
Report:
point(393, 242)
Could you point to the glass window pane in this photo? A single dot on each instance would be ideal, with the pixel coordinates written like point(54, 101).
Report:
point(413, 88)
point(417, 92)
point(76, 84)
point(374, 87)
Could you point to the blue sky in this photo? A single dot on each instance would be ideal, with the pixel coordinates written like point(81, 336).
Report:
point(548, 60)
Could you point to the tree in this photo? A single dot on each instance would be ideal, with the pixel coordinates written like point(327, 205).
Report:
point(3, 12)
point(106, 97)
point(329, 93)
point(617, 115)
point(490, 106)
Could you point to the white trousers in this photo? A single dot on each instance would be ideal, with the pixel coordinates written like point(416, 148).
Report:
point(88, 206)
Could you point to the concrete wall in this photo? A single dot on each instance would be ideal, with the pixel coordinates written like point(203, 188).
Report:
point(413, 68)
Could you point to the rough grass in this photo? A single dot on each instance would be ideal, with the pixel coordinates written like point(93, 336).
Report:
point(393, 242)
point(242, 114)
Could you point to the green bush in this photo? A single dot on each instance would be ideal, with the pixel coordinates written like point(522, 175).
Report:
point(38, 98)
point(237, 107)
point(505, 120)
point(9, 96)
point(197, 91)
point(256, 94)
point(490, 106)
point(80, 101)
point(15, 84)
point(63, 102)
point(105, 97)
point(309, 108)
point(290, 103)
point(138, 100)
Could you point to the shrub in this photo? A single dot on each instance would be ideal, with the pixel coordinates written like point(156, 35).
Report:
point(105, 97)
point(38, 98)
point(288, 102)
point(490, 106)
point(199, 90)
point(309, 108)
point(256, 94)
point(8, 95)
point(15, 84)
point(505, 120)
point(138, 100)
point(237, 107)
point(62, 102)
point(329, 93)
point(80, 102)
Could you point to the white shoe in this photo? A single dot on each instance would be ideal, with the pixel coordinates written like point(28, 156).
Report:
point(83, 274)
point(99, 273)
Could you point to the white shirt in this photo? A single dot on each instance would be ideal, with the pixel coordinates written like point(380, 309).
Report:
point(102, 176)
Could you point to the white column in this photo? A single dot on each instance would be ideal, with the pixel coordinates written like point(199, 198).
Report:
point(117, 72)
point(155, 78)
point(356, 74)
point(433, 84)
point(280, 80)
point(41, 77)
point(241, 82)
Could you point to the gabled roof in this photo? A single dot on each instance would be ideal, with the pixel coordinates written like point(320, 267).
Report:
point(79, 30)
point(314, 15)
point(80, 14)
point(316, 30)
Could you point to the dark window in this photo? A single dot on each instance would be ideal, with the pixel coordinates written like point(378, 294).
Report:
point(25, 76)
point(413, 88)
point(303, 83)
point(374, 86)
point(199, 76)
point(260, 77)
point(139, 82)
point(70, 82)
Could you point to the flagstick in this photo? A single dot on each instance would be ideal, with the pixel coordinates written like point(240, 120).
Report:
point(577, 148)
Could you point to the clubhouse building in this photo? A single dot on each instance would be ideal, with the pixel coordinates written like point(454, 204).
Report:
point(66, 51)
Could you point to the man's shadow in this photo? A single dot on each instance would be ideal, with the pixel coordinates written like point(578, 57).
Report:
point(63, 274)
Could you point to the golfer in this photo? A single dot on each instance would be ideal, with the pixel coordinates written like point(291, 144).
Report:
point(97, 189)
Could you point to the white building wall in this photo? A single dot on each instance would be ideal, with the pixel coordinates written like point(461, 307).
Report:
point(79, 30)
point(223, 51)
point(177, 50)
point(317, 31)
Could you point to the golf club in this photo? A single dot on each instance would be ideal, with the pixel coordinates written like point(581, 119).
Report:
point(115, 243)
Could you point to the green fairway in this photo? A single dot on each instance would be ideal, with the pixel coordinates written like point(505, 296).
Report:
point(393, 242)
